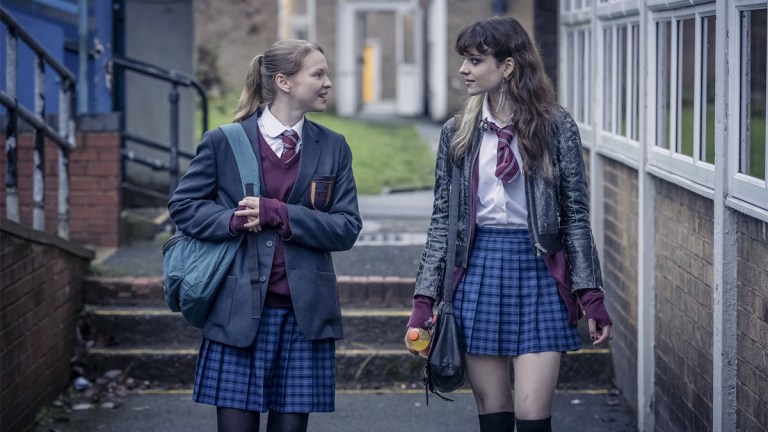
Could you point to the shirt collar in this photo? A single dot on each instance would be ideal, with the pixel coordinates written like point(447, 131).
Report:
point(273, 127)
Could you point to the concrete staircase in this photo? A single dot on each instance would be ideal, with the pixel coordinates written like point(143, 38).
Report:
point(133, 330)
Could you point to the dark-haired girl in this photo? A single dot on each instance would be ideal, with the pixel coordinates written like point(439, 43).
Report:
point(526, 264)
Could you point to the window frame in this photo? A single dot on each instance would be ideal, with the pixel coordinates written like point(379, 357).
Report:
point(746, 193)
point(669, 163)
point(612, 143)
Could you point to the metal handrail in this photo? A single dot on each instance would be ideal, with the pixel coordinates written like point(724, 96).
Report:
point(64, 137)
point(175, 78)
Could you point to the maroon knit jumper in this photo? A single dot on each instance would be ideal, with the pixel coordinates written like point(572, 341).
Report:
point(278, 179)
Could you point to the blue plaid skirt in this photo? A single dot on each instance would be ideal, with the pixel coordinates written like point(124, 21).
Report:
point(282, 371)
point(507, 301)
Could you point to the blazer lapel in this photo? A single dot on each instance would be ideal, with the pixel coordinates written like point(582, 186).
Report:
point(310, 156)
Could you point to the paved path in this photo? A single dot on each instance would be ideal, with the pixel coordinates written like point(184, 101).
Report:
point(356, 411)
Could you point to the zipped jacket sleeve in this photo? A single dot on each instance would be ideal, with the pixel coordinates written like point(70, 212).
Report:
point(579, 245)
point(429, 279)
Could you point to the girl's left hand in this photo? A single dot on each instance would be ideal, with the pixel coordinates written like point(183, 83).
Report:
point(251, 211)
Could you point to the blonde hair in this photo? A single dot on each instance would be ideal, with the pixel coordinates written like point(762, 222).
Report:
point(284, 57)
point(529, 90)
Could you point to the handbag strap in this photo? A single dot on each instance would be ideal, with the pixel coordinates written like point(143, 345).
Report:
point(453, 217)
point(247, 164)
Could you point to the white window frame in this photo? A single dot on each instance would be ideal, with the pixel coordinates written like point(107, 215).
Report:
point(288, 23)
point(689, 172)
point(612, 144)
point(747, 194)
point(574, 63)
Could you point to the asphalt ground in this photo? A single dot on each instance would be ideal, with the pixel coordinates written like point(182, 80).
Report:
point(369, 411)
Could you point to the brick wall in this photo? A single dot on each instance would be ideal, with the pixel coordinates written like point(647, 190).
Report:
point(40, 299)
point(94, 188)
point(619, 263)
point(684, 230)
point(752, 319)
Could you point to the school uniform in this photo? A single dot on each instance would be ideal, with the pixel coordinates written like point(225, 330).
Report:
point(270, 335)
point(507, 301)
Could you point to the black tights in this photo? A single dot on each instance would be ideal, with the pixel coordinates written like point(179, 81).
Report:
point(235, 420)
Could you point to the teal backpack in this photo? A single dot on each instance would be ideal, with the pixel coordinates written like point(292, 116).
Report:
point(193, 269)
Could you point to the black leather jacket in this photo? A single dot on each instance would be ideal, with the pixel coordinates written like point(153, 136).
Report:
point(558, 212)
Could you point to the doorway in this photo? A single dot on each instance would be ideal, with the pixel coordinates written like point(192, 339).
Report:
point(380, 58)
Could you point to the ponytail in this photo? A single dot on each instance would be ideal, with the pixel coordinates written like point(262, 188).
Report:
point(251, 96)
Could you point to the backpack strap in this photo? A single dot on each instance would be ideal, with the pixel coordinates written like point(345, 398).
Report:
point(247, 164)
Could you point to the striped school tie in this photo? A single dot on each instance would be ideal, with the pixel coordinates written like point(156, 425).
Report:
point(507, 167)
point(290, 139)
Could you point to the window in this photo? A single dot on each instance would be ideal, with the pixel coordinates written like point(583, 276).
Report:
point(684, 58)
point(297, 19)
point(579, 73)
point(621, 80)
point(747, 129)
point(753, 109)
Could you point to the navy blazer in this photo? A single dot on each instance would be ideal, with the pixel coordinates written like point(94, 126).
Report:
point(205, 199)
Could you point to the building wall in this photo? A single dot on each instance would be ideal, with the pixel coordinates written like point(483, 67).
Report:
point(683, 336)
point(752, 339)
point(41, 296)
point(94, 185)
point(620, 270)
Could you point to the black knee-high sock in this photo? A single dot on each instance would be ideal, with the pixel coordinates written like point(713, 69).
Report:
point(543, 425)
point(287, 422)
point(235, 420)
point(497, 422)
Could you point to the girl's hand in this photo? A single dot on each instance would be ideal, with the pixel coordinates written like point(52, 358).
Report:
point(423, 353)
point(251, 212)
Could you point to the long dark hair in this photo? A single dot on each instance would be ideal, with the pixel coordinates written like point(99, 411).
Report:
point(284, 57)
point(529, 90)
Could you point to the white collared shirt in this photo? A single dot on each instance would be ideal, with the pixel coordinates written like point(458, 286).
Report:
point(498, 204)
point(271, 129)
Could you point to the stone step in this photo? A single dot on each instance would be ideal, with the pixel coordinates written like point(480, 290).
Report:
point(155, 344)
point(135, 327)
point(354, 291)
point(356, 366)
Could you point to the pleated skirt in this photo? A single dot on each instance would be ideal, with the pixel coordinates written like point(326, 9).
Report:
point(507, 302)
point(282, 371)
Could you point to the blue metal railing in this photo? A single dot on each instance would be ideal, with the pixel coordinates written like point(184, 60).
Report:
point(176, 79)
point(63, 136)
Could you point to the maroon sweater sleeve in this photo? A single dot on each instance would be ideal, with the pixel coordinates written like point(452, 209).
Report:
point(274, 213)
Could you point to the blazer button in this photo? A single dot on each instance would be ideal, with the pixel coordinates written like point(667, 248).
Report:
point(262, 279)
point(269, 243)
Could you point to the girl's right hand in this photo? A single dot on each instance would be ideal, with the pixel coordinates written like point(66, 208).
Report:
point(423, 353)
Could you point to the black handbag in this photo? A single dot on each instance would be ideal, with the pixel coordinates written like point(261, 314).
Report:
point(445, 369)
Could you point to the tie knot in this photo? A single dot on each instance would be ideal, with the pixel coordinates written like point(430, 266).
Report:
point(506, 130)
point(290, 138)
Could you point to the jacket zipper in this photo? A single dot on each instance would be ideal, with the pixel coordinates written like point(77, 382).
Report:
point(535, 228)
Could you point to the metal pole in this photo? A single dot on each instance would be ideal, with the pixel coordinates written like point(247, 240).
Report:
point(173, 98)
point(82, 54)
point(38, 192)
point(11, 150)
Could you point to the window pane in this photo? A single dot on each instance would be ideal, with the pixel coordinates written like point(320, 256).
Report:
point(607, 79)
point(686, 37)
point(587, 100)
point(708, 90)
point(663, 71)
point(635, 118)
point(580, 78)
point(570, 88)
point(621, 81)
point(753, 156)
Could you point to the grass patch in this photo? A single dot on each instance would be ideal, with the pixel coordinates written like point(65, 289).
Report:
point(385, 156)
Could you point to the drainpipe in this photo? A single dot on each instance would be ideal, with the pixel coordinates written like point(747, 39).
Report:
point(82, 54)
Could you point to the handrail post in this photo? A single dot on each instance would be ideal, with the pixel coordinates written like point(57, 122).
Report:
point(65, 113)
point(173, 98)
point(11, 131)
point(38, 193)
